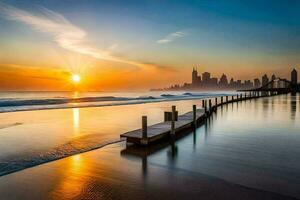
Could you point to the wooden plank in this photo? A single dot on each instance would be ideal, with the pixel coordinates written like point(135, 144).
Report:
point(157, 131)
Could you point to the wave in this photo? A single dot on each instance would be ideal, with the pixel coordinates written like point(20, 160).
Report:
point(10, 125)
point(78, 145)
point(13, 105)
point(31, 102)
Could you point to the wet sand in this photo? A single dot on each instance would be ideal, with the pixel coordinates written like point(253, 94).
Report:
point(105, 174)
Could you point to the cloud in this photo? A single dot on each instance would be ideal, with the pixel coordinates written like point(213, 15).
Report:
point(171, 37)
point(65, 34)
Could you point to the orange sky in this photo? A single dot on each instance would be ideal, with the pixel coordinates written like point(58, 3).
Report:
point(41, 47)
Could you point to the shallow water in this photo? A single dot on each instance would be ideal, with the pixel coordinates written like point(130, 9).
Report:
point(33, 137)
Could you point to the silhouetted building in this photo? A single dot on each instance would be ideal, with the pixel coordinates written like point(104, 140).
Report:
point(264, 80)
point(273, 77)
point(238, 84)
point(223, 81)
point(294, 77)
point(248, 84)
point(273, 83)
point(206, 78)
point(196, 80)
point(256, 83)
point(213, 82)
point(194, 76)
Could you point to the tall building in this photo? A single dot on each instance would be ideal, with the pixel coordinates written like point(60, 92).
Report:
point(273, 83)
point(213, 82)
point(194, 76)
point(256, 83)
point(196, 80)
point(223, 81)
point(239, 83)
point(273, 77)
point(206, 78)
point(248, 84)
point(264, 80)
point(294, 77)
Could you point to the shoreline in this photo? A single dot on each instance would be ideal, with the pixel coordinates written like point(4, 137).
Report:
point(58, 158)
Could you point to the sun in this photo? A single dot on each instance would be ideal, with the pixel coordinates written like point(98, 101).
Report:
point(76, 78)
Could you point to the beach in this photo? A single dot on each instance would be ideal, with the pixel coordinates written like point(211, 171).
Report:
point(246, 150)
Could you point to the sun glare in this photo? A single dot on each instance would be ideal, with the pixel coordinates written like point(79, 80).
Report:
point(75, 78)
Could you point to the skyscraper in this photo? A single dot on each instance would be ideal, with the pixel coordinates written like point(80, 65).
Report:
point(273, 83)
point(294, 77)
point(223, 81)
point(194, 77)
point(264, 80)
point(206, 78)
point(256, 83)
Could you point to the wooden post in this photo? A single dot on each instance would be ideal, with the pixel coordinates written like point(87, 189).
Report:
point(226, 99)
point(173, 120)
point(232, 98)
point(209, 103)
point(194, 115)
point(205, 106)
point(203, 103)
point(221, 99)
point(144, 126)
point(237, 97)
point(216, 101)
point(241, 97)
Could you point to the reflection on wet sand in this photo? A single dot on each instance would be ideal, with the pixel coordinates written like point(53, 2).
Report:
point(76, 119)
point(71, 185)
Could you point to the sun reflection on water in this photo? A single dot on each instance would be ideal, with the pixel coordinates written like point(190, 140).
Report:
point(76, 120)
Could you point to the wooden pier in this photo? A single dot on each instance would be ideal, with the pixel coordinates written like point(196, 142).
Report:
point(177, 124)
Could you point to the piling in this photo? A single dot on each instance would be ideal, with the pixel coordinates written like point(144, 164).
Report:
point(209, 103)
point(216, 101)
point(144, 126)
point(221, 99)
point(203, 103)
point(173, 120)
point(194, 115)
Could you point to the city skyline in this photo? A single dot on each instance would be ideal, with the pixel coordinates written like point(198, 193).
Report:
point(206, 81)
point(137, 45)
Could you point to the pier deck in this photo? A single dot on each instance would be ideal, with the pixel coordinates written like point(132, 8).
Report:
point(163, 129)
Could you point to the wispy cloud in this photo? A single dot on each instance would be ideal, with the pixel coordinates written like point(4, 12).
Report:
point(171, 37)
point(65, 34)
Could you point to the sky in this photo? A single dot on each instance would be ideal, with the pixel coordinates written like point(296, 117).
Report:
point(141, 44)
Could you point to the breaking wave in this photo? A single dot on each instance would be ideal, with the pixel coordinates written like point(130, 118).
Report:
point(15, 104)
point(75, 146)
